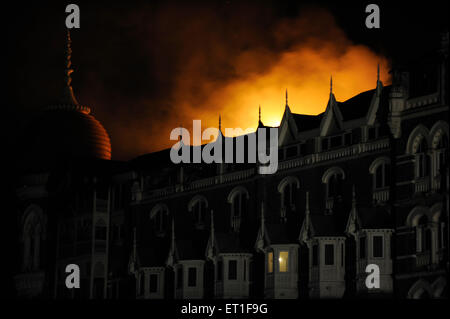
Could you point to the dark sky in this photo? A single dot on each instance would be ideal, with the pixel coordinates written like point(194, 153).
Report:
point(129, 56)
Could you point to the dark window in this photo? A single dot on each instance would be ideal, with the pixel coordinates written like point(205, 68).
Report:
point(192, 277)
point(142, 284)
point(291, 151)
point(377, 246)
point(362, 247)
point(372, 134)
point(232, 270)
point(245, 270)
point(180, 277)
point(329, 254)
point(315, 255)
point(379, 177)
point(219, 270)
point(348, 138)
point(336, 141)
point(153, 282)
point(324, 144)
point(100, 232)
point(342, 255)
point(427, 244)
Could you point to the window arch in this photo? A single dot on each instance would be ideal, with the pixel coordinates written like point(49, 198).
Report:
point(380, 170)
point(238, 199)
point(414, 139)
point(287, 189)
point(198, 207)
point(439, 146)
point(159, 215)
point(32, 234)
point(333, 179)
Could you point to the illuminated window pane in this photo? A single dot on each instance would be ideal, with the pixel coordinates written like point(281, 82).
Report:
point(283, 261)
point(270, 262)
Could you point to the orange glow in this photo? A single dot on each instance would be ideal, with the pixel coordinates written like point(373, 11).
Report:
point(304, 70)
point(231, 74)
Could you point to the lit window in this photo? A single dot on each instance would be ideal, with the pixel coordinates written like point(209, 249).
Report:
point(283, 261)
point(270, 262)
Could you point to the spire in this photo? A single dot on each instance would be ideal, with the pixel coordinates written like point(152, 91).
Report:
point(68, 96)
point(212, 225)
point(172, 253)
point(378, 72)
point(134, 242)
point(353, 197)
point(173, 232)
point(220, 122)
point(262, 218)
point(353, 221)
point(287, 97)
point(307, 204)
point(259, 116)
point(331, 84)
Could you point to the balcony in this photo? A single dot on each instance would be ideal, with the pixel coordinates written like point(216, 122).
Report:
point(381, 195)
point(423, 259)
point(422, 184)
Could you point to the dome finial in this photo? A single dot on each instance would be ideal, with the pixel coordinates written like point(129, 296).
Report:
point(69, 97)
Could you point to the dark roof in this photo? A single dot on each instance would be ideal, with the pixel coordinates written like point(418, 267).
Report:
point(328, 225)
point(278, 234)
point(307, 122)
point(229, 243)
point(375, 217)
point(357, 106)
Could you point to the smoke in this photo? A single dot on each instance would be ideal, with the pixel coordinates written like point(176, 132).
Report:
point(196, 62)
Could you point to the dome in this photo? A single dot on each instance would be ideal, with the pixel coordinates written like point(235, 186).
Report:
point(65, 131)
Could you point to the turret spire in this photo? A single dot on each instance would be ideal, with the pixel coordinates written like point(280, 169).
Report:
point(378, 72)
point(287, 97)
point(331, 84)
point(259, 116)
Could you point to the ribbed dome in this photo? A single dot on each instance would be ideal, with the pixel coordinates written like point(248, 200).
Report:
point(65, 131)
point(72, 132)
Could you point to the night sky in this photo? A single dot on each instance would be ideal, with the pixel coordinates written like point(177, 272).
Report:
point(145, 68)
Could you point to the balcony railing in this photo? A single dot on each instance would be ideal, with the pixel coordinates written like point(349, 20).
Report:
point(423, 259)
point(381, 195)
point(422, 184)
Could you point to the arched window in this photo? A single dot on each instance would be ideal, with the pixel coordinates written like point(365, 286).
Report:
point(380, 170)
point(159, 216)
point(333, 179)
point(422, 160)
point(288, 190)
point(439, 148)
point(238, 199)
point(198, 207)
point(32, 235)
